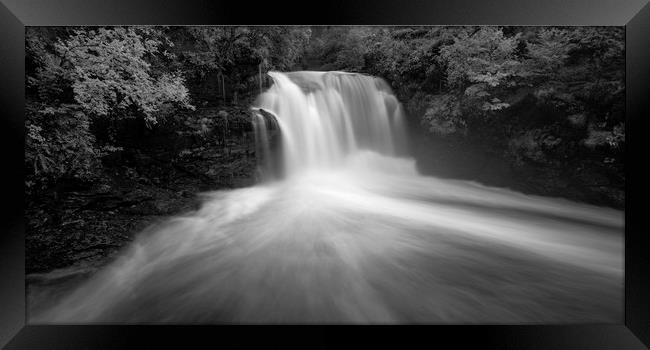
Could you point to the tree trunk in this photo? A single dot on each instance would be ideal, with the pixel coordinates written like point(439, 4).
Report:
point(259, 68)
point(225, 132)
point(223, 88)
point(218, 84)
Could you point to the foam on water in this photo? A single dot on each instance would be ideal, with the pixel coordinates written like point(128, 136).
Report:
point(353, 233)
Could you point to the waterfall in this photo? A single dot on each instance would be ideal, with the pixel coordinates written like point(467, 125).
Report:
point(324, 117)
point(350, 232)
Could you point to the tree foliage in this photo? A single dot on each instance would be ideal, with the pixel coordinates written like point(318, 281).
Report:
point(236, 52)
point(108, 72)
point(79, 75)
point(460, 79)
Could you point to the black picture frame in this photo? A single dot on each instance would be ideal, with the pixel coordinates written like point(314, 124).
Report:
point(16, 14)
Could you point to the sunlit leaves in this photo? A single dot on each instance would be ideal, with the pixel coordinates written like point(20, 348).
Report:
point(482, 56)
point(110, 73)
point(86, 74)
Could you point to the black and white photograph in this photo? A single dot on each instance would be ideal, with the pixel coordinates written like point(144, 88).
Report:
point(325, 174)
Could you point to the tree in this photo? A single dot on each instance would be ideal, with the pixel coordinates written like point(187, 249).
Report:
point(110, 75)
point(236, 52)
point(80, 75)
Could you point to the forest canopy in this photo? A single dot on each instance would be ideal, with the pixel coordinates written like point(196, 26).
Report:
point(458, 75)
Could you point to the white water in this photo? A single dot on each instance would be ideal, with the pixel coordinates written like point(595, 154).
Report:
point(353, 234)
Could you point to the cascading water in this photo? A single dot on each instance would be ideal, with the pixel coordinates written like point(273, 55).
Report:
point(352, 233)
point(324, 117)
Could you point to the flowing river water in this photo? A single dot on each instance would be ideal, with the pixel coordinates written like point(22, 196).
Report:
point(345, 230)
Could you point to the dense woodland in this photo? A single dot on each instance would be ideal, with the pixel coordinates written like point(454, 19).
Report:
point(125, 125)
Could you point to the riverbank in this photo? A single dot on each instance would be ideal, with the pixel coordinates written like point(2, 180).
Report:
point(86, 223)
